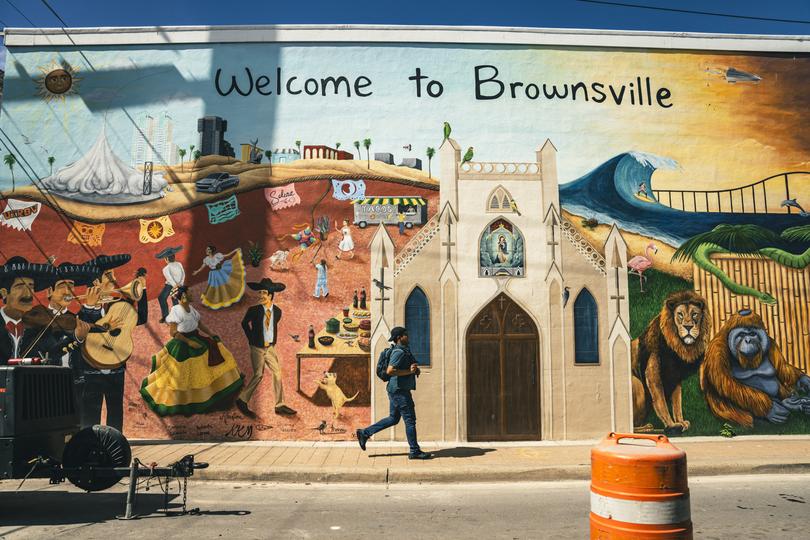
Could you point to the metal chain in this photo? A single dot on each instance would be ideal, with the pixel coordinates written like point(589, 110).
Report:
point(185, 492)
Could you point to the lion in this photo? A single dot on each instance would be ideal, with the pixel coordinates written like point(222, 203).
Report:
point(745, 376)
point(671, 348)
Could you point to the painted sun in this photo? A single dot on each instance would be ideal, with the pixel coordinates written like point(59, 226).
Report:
point(57, 81)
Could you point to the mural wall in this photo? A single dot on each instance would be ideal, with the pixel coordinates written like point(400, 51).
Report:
point(579, 240)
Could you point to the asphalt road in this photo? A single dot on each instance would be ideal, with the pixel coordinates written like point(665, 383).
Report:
point(751, 507)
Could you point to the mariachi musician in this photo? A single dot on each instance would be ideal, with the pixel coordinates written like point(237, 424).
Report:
point(19, 280)
point(99, 383)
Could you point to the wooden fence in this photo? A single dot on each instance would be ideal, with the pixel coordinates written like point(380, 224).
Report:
point(787, 322)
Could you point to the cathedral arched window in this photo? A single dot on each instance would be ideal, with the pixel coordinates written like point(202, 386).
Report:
point(501, 250)
point(586, 329)
point(499, 201)
point(417, 321)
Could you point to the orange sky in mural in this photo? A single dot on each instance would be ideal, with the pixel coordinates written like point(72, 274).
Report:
point(722, 134)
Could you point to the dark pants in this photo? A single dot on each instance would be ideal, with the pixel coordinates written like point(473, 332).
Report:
point(401, 228)
point(110, 388)
point(163, 300)
point(401, 405)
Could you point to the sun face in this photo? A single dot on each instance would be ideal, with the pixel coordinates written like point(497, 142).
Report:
point(57, 81)
point(155, 230)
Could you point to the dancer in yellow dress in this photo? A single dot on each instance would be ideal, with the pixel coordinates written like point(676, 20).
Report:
point(226, 278)
point(191, 374)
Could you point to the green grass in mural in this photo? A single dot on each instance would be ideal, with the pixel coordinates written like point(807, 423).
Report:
point(703, 422)
point(644, 306)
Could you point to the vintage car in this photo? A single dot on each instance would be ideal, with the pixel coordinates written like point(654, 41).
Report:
point(216, 182)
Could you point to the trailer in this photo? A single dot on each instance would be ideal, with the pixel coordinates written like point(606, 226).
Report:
point(40, 437)
point(386, 210)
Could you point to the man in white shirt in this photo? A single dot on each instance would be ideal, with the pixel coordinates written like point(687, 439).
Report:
point(174, 275)
point(261, 329)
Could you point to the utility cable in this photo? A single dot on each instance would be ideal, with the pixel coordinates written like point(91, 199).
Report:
point(694, 12)
point(9, 2)
point(49, 198)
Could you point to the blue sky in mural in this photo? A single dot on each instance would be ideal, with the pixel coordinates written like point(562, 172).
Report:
point(193, 95)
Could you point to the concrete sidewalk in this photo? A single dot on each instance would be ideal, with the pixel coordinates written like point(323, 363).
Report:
point(387, 462)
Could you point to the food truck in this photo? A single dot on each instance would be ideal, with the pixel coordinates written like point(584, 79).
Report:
point(385, 210)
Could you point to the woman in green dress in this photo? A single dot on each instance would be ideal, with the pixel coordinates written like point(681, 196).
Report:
point(192, 373)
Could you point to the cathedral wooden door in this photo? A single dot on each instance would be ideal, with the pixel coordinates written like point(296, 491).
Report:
point(503, 386)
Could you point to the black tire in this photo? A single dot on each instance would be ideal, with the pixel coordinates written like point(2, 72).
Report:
point(99, 447)
point(362, 224)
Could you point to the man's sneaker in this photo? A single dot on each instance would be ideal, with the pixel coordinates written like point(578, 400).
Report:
point(362, 439)
point(420, 455)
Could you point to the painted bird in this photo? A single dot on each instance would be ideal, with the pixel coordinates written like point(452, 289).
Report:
point(513, 204)
point(447, 130)
point(566, 295)
point(381, 285)
point(408, 147)
point(794, 204)
point(295, 337)
point(321, 426)
point(467, 157)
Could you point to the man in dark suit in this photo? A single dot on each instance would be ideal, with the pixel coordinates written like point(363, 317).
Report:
point(261, 329)
point(19, 280)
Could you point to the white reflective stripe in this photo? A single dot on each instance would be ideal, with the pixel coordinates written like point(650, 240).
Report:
point(641, 512)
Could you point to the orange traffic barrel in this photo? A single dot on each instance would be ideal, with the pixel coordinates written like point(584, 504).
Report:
point(639, 490)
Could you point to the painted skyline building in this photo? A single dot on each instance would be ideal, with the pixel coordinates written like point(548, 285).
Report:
point(153, 140)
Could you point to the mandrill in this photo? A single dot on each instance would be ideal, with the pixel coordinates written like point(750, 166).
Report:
point(744, 375)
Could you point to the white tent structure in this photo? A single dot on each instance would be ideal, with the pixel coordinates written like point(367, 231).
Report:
point(101, 177)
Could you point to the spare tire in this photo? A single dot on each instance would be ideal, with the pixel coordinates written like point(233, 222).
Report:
point(96, 447)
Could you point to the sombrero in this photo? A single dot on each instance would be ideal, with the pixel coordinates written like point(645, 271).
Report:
point(267, 284)
point(168, 252)
point(79, 274)
point(102, 263)
point(43, 274)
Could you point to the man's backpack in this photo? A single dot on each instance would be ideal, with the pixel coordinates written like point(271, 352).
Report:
point(382, 364)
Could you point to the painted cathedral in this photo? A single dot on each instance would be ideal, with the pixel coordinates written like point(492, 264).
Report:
point(519, 324)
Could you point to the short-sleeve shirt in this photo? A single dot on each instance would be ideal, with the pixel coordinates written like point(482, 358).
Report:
point(186, 321)
point(213, 260)
point(401, 358)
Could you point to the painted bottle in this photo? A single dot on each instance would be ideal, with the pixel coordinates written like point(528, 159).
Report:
point(354, 300)
point(363, 298)
point(311, 337)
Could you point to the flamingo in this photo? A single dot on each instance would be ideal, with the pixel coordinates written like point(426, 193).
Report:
point(640, 263)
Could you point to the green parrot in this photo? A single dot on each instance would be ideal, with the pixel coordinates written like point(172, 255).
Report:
point(447, 130)
point(467, 157)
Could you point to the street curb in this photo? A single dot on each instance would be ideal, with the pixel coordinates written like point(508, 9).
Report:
point(431, 474)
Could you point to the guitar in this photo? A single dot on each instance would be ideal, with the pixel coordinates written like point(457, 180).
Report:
point(105, 351)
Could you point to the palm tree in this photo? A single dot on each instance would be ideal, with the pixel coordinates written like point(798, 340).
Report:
point(197, 154)
point(743, 239)
point(367, 145)
point(269, 155)
point(357, 145)
point(51, 161)
point(337, 146)
point(10, 160)
point(182, 153)
point(430, 152)
point(191, 152)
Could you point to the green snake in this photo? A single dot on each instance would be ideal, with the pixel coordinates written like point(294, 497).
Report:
point(706, 250)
